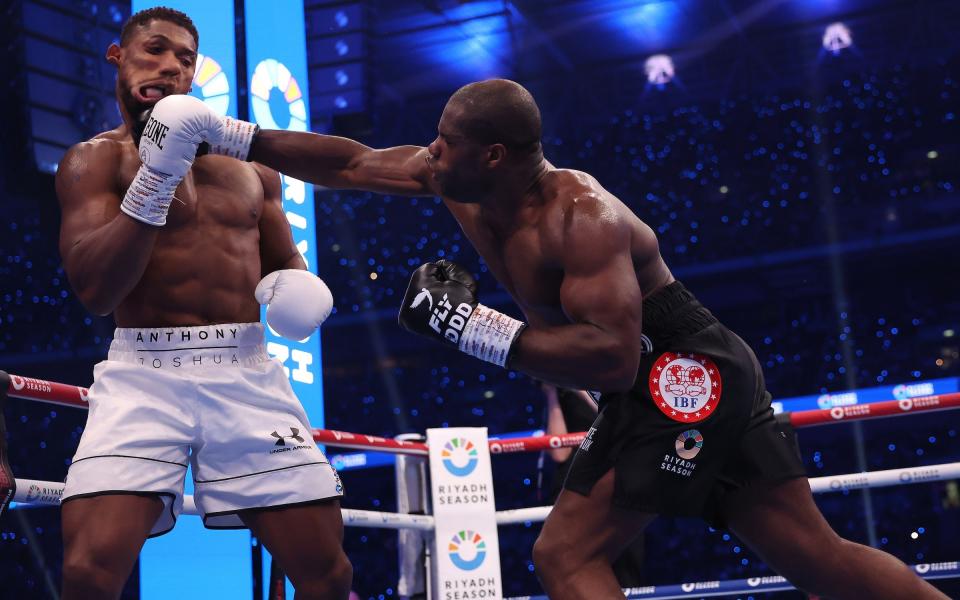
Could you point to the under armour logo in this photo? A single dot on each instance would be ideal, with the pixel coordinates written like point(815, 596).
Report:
point(424, 294)
point(294, 435)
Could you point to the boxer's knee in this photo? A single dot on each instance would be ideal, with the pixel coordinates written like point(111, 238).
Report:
point(551, 559)
point(330, 580)
point(86, 577)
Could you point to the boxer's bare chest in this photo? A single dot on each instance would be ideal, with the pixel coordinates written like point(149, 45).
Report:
point(218, 193)
point(205, 262)
point(525, 266)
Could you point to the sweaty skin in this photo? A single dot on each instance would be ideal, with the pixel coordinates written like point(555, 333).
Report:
point(578, 263)
point(573, 257)
point(225, 230)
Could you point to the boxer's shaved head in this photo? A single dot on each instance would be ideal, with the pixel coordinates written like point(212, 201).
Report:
point(498, 111)
point(486, 127)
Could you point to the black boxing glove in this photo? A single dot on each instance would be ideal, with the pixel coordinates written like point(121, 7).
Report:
point(441, 303)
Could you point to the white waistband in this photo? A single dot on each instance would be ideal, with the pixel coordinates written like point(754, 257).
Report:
point(224, 345)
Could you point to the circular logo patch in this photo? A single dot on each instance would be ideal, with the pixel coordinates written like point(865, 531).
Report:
point(688, 444)
point(686, 387)
point(459, 457)
point(467, 550)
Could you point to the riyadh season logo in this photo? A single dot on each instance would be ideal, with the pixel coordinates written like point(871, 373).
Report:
point(467, 550)
point(688, 444)
point(459, 457)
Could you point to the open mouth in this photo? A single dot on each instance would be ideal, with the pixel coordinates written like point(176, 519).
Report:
point(151, 92)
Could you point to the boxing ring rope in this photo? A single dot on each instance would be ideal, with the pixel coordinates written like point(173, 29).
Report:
point(36, 492)
point(33, 491)
point(28, 388)
point(753, 585)
point(818, 485)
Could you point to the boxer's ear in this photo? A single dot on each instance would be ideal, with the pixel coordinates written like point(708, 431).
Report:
point(495, 154)
point(113, 55)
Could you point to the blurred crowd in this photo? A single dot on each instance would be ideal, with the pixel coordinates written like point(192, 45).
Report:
point(816, 222)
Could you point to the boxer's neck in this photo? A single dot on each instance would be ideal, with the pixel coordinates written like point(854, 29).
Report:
point(514, 192)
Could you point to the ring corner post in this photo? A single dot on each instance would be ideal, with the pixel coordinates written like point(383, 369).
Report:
point(8, 484)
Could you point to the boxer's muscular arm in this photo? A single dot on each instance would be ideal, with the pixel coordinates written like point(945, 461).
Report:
point(104, 251)
point(342, 163)
point(556, 424)
point(600, 349)
point(277, 249)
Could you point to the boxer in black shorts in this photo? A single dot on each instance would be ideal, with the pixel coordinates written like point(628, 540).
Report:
point(696, 425)
point(589, 278)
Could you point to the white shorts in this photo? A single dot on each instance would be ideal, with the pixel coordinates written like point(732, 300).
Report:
point(208, 395)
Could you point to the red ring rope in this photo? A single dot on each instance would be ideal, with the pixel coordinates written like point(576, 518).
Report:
point(41, 390)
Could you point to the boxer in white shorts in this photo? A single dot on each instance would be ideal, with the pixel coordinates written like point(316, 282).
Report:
point(182, 250)
point(206, 396)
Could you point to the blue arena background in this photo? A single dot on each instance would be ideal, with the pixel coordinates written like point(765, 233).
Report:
point(809, 198)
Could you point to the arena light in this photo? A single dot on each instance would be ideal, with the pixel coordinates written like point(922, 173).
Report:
point(837, 37)
point(659, 69)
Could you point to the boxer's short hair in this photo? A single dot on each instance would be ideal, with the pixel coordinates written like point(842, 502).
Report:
point(157, 13)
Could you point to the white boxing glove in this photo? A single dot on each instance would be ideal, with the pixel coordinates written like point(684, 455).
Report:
point(168, 145)
point(297, 302)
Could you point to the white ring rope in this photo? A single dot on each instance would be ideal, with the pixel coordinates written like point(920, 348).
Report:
point(751, 585)
point(49, 493)
point(818, 485)
point(32, 491)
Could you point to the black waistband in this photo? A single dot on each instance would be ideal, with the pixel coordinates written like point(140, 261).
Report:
point(673, 311)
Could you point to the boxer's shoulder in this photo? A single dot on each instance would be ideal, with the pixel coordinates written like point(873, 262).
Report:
point(94, 162)
point(268, 176)
point(109, 144)
point(576, 200)
point(568, 183)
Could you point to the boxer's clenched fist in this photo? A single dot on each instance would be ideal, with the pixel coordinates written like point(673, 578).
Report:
point(167, 146)
point(297, 302)
point(441, 304)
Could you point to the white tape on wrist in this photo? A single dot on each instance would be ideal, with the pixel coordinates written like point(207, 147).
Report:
point(236, 140)
point(489, 334)
point(149, 195)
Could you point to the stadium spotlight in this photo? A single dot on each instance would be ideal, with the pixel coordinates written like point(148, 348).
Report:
point(836, 37)
point(659, 69)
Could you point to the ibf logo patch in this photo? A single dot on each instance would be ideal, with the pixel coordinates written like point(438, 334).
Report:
point(686, 387)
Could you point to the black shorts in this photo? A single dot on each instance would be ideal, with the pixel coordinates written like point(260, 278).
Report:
point(696, 425)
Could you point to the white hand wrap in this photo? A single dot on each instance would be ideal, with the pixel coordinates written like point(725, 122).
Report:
point(149, 195)
point(489, 334)
point(236, 139)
